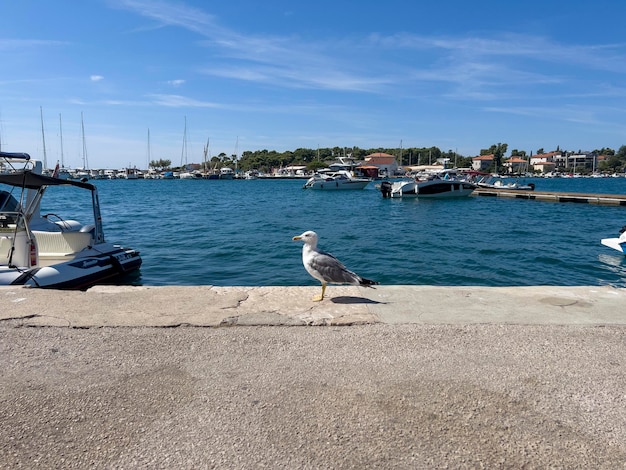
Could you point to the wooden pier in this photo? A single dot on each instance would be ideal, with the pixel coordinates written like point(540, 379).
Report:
point(581, 198)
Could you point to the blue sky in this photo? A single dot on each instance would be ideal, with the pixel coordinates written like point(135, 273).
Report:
point(279, 75)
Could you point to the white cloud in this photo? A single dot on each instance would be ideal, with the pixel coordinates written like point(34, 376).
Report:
point(96, 78)
point(176, 83)
point(177, 101)
point(475, 68)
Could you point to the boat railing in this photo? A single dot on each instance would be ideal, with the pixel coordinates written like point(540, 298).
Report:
point(15, 239)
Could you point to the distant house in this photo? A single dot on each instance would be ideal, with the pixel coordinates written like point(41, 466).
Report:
point(386, 164)
point(547, 162)
point(544, 167)
point(579, 161)
point(482, 162)
point(516, 165)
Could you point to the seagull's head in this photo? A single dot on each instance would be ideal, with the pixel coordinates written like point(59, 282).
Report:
point(309, 237)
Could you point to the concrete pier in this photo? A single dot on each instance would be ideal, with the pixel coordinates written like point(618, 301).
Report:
point(212, 306)
point(584, 198)
point(262, 377)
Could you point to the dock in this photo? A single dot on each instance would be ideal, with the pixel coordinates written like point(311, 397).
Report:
point(581, 198)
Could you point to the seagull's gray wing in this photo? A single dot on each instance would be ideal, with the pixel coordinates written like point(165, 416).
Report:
point(331, 269)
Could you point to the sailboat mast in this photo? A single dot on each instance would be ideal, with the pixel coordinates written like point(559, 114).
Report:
point(148, 149)
point(183, 153)
point(206, 151)
point(236, 154)
point(61, 135)
point(82, 126)
point(43, 137)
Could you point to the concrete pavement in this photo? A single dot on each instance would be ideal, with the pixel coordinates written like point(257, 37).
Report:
point(218, 377)
point(344, 305)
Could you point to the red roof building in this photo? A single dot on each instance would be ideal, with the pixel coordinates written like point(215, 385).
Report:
point(482, 162)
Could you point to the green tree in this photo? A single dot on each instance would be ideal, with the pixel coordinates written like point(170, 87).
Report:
point(315, 165)
point(498, 151)
point(604, 151)
point(614, 163)
point(303, 155)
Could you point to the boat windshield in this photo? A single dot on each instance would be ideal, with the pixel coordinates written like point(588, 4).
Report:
point(7, 202)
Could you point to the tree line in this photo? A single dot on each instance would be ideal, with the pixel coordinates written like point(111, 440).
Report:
point(266, 160)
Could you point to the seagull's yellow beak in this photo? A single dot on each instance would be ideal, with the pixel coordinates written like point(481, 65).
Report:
point(297, 237)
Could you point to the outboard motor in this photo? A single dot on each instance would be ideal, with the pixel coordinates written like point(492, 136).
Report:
point(532, 186)
point(385, 188)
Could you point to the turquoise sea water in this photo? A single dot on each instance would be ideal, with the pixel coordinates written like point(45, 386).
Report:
point(226, 233)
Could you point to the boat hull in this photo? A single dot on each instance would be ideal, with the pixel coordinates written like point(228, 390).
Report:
point(92, 267)
point(432, 189)
point(615, 243)
point(444, 189)
point(337, 185)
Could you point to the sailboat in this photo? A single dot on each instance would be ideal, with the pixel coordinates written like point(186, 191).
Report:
point(151, 173)
point(213, 173)
point(205, 161)
point(185, 174)
point(60, 171)
point(46, 170)
point(83, 173)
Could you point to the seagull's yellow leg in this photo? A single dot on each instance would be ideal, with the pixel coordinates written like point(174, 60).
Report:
point(318, 298)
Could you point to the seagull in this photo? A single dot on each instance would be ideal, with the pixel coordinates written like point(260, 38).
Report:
point(325, 267)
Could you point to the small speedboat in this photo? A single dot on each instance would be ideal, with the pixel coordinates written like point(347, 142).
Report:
point(49, 251)
point(618, 243)
point(493, 182)
point(342, 179)
point(432, 188)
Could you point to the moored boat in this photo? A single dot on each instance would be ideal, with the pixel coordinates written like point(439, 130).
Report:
point(48, 251)
point(226, 173)
point(618, 243)
point(337, 180)
point(494, 182)
point(432, 188)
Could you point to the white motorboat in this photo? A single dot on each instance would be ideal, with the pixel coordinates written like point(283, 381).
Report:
point(618, 243)
point(432, 188)
point(494, 182)
point(226, 173)
point(336, 180)
point(48, 251)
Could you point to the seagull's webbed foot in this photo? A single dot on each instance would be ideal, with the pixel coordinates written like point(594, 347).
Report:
point(319, 298)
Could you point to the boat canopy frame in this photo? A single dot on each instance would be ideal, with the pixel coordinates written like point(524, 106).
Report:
point(27, 179)
point(30, 180)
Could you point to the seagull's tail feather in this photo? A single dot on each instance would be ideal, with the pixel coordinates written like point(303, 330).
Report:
point(367, 282)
